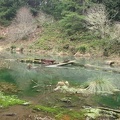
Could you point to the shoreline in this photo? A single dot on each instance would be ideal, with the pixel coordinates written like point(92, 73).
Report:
point(61, 53)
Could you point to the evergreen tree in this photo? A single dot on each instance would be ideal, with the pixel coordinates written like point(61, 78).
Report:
point(8, 10)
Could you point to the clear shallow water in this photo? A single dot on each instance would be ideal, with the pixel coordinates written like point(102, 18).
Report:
point(47, 78)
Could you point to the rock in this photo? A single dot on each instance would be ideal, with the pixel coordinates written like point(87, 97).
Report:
point(63, 83)
point(26, 103)
point(67, 100)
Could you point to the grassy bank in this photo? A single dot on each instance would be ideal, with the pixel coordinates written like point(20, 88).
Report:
point(53, 38)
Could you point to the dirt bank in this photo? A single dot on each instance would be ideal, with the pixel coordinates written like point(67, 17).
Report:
point(21, 113)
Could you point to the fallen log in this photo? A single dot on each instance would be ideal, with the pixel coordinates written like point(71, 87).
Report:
point(102, 68)
point(38, 61)
point(65, 63)
point(108, 69)
point(30, 61)
point(111, 63)
point(50, 62)
point(74, 63)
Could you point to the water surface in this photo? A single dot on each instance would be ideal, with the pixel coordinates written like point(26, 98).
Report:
point(47, 77)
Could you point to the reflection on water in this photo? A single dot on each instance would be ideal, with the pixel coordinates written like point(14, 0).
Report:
point(43, 79)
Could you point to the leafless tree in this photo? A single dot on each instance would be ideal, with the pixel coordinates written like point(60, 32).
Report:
point(23, 25)
point(115, 32)
point(44, 18)
point(97, 20)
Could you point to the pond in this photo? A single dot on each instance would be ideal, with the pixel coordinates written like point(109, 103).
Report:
point(38, 83)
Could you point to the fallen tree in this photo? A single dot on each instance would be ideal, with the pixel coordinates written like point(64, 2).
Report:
point(74, 63)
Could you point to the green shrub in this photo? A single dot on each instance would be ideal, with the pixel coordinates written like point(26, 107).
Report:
point(72, 23)
point(13, 47)
point(82, 48)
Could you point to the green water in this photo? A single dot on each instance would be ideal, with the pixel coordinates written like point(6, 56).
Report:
point(47, 78)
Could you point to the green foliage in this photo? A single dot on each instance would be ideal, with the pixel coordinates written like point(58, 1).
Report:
point(6, 101)
point(57, 37)
point(113, 7)
point(13, 46)
point(53, 7)
point(52, 34)
point(47, 109)
point(70, 14)
point(98, 44)
point(57, 8)
point(59, 113)
point(82, 48)
point(8, 10)
point(34, 11)
point(34, 3)
point(113, 46)
point(72, 23)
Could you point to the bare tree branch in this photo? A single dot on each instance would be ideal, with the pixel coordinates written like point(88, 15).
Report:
point(97, 20)
point(23, 25)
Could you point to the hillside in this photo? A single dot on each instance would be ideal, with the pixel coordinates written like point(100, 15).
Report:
point(62, 27)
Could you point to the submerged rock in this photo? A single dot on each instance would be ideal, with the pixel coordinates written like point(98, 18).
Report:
point(8, 87)
point(94, 87)
point(64, 87)
point(26, 103)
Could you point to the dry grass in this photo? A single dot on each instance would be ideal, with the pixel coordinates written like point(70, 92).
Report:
point(101, 86)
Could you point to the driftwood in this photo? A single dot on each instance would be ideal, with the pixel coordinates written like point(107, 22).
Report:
point(30, 61)
point(111, 63)
point(89, 66)
point(74, 63)
point(102, 68)
point(38, 61)
point(44, 61)
point(65, 63)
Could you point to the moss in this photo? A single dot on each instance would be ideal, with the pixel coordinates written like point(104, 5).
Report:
point(7, 100)
point(82, 48)
point(60, 113)
point(12, 46)
point(47, 109)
